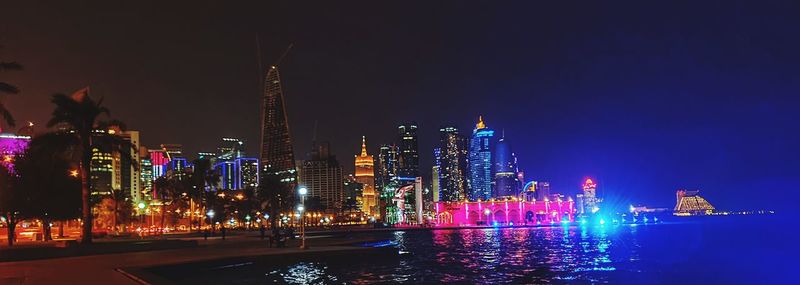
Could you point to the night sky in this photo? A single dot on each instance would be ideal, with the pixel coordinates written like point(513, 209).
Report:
point(646, 97)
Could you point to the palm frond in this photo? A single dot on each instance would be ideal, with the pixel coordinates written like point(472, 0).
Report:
point(8, 88)
point(7, 115)
point(10, 66)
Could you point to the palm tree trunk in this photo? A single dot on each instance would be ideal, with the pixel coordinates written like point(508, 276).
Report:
point(85, 169)
point(163, 213)
point(46, 230)
point(114, 215)
point(12, 226)
point(61, 229)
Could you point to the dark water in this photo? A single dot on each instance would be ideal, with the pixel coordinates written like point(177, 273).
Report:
point(716, 250)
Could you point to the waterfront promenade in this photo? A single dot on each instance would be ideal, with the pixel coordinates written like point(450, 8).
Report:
point(115, 268)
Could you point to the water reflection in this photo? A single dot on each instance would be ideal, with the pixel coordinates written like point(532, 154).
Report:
point(690, 253)
point(302, 273)
point(493, 255)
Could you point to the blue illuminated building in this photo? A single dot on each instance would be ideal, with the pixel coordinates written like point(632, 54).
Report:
point(505, 170)
point(177, 166)
point(239, 173)
point(480, 162)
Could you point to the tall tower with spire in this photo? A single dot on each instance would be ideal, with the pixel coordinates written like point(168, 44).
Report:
point(277, 154)
point(365, 174)
point(481, 172)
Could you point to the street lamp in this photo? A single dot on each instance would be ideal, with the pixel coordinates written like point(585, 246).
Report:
point(141, 207)
point(210, 215)
point(302, 191)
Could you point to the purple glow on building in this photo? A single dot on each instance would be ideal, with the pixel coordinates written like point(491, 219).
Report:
point(503, 212)
point(11, 146)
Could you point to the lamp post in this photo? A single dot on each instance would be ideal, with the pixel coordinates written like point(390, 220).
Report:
point(141, 206)
point(302, 191)
point(210, 215)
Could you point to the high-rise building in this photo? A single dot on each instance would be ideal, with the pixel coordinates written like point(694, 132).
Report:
point(542, 190)
point(237, 174)
point(128, 168)
point(113, 170)
point(505, 170)
point(172, 150)
point(435, 177)
point(177, 167)
point(365, 174)
point(230, 148)
point(248, 172)
point(591, 203)
point(408, 151)
point(386, 170)
point(322, 176)
point(211, 156)
point(579, 203)
point(277, 154)
point(480, 162)
point(450, 156)
point(146, 169)
point(102, 165)
point(353, 194)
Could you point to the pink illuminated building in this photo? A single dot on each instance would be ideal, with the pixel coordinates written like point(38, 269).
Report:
point(503, 213)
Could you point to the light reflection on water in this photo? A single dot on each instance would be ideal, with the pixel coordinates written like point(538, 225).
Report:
point(754, 250)
point(474, 255)
point(690, 253)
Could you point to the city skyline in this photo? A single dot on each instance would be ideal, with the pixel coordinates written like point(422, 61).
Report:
point(415, 142)
point(688, 111)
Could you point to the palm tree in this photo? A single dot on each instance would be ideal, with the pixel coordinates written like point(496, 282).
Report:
point(170, 191)
point(205, 181)
point(80, 114)
point(13, 201)
point(6, 88)
point(43, 173)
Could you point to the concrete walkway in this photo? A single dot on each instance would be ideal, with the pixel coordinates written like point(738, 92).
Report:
point(102, 269)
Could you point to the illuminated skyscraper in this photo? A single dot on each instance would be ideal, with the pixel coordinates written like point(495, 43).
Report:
point(127, 167)
point(408, 151)
point(365, 174)
point(230, 148)
point(386, 169)
point(505, 170)
point(146, 169)
point(451, 159)
point(435, 178)
point(102, 165)
point(322, 176)
point(542, 190)
point(237, 174)
point(591, 203)
point(353, 194)
point(480, 162)
point(277, 155)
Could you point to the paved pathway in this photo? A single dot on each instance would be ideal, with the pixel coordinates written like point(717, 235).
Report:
point(100, 269)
